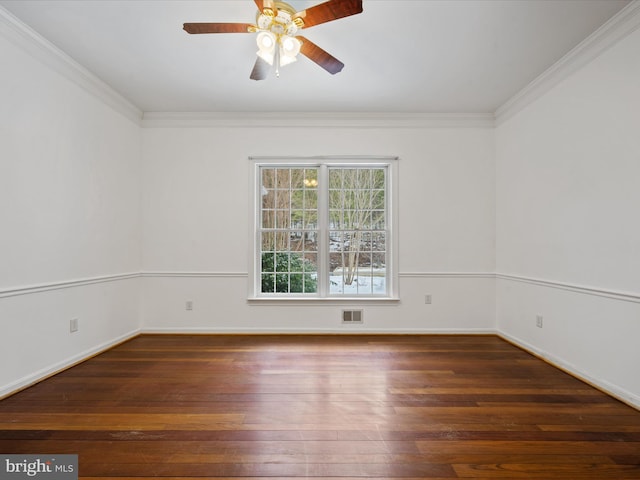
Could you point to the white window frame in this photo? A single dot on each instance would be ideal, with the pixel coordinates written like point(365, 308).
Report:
point(323, 295)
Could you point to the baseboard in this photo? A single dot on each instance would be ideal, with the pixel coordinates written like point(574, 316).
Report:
point(351, 330)
point(32, 379)
point(602, 385)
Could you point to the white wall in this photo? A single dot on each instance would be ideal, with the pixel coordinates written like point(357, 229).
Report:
point(69, 196)
point(196, 227)
point(568, 236)
point(90, 200)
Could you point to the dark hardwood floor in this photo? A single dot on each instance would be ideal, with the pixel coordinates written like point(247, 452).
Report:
point(223, 406)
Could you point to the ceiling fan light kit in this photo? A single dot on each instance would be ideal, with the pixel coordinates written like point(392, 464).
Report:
point(277, 26)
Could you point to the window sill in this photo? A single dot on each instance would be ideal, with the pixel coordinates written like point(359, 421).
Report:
point(323, 301)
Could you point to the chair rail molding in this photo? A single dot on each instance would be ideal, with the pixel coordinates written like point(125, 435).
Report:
point(586, 290)
point(79, 282)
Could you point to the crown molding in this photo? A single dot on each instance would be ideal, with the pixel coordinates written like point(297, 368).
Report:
point(316, 120)
point(615, 29)
point(24, 37)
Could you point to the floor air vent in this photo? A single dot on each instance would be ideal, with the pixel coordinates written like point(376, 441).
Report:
point(352, 316)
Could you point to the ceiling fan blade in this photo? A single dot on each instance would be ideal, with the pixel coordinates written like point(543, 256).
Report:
point(217, 27)
point(262, 4)
point(328, 11)
point(327, 61)
point(260, 69)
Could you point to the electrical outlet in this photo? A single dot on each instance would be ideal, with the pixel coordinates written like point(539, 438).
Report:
point(188, 305)
point(73, 325)
point(539, 321)
point(427, 299)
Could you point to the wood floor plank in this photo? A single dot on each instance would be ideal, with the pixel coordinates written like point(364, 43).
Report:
point(528, 471)
point(341, 406)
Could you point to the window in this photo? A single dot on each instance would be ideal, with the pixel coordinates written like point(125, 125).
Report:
point(324, 228)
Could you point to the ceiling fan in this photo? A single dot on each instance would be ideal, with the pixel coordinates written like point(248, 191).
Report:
point(277, 25)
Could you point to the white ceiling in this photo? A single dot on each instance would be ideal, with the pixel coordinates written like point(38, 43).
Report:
point(428, 56)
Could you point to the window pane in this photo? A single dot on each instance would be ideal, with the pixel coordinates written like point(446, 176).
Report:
point(282, 283)
point(268, 218)
point(268, 198)
point(268, 264)
point(310, 219)
point(281, 218)
point(268, 283)
point(378, 261)
point(283, 178)
point(357, 222)
point(377, 199)
point(268, 178)
point(296, 218)
point(311, 178)
point(289, 230)
point(297, 199)
point(283, 199)
point(281, 241)
point(297, 178)
point(378, 220)
point(296, 243)
point(311, 199)
point(364, 178)
point(282, 262)
point(335, 179)
point(378, 178)
point(311, 262)
point(267, 241)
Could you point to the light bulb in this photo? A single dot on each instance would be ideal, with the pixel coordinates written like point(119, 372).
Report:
point(290, 45)
point(289, 49)
point(265, 41)
point(266, 44)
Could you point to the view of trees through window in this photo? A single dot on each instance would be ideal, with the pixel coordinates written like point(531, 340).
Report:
point(289, 231)
point(348, 213)
point(356, 229)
